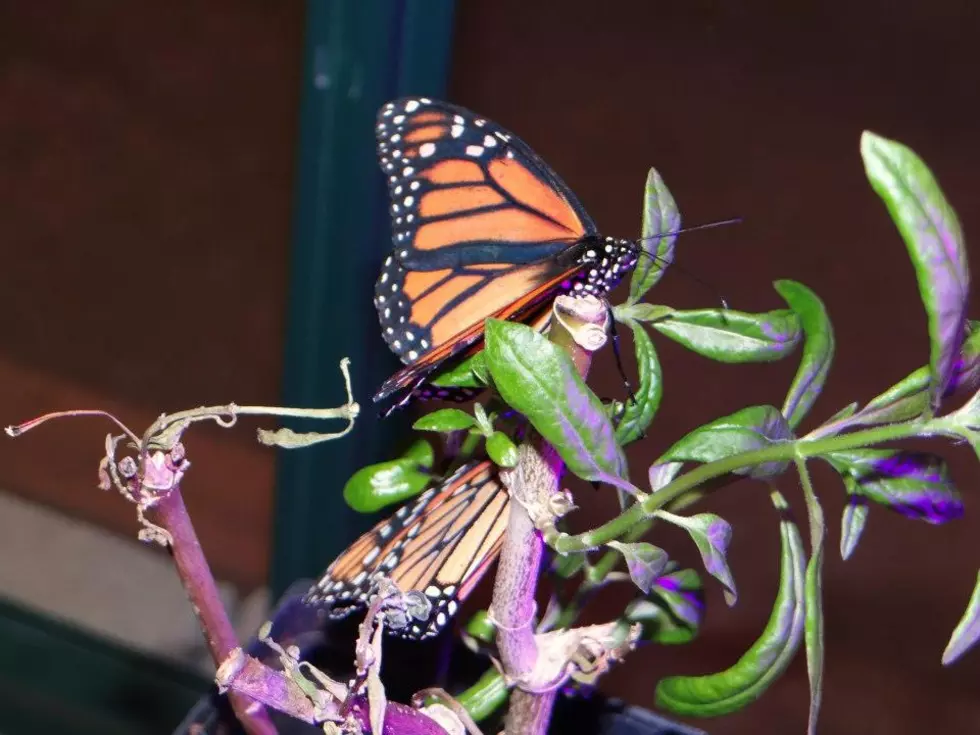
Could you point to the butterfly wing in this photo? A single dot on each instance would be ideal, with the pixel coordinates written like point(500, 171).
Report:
point(440, 545)
point(480, 223)
point(539, 320)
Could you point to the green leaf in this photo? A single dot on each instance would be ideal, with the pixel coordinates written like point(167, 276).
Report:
point(906, 399)
point(853, 519)
point(967, 631)
point(481, 627)
point(638, 415)
point(934, 239)
point(486, 696)
point(711, 534)
point(469, 373)
point(420, 452)
point(915, 484)
point(768, 657)
point(733, 336)
point(818, 349)
point(483, 422)
point(379, 485)
point(467, 448)
point(663, 474)
point(644, 561)
point(445, 420)
point(909, 397)
point(501, 449)
point(661, 221)
point(846, 412)
point(642, 312)
point(751, 428)
point(671, 613)
point(813, 597)
point(567, 566)
point(537, 378)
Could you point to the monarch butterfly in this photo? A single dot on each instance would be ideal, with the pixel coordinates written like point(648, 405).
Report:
point(439, 545)
point(482, 227)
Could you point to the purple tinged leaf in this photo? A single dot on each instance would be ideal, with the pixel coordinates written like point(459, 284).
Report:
point(845, 413)
point(909, 398)
point(818, 349)
point(567, 566)
point(765, 661)
point(751, 428)
point(672, 611)
point(813, 597)
point(661, 221)
point(732, 336)
point(906, 399)
point(638, 414)
point(915, 484)
point(967, 631)
point(711, 534)
point(853, 519)
point(663, 474)
point(537, 378)
point(642, 312)
point(934, 239)
point(645, 562)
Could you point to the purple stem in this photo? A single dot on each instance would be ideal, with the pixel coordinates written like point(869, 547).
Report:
point(536, 476)
point(400, 719)
point(192, 567)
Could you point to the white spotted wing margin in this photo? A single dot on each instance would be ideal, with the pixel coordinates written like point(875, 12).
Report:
point(439, 545)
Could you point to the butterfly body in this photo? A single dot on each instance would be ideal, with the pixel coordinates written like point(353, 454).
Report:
point(481, 228)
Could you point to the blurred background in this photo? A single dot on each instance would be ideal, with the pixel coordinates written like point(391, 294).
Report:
point(191, 214)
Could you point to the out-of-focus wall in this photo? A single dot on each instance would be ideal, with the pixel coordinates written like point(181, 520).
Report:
point(146, 160)
point(755, 110)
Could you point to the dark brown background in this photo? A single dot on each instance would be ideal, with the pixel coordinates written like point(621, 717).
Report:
point(146, 158)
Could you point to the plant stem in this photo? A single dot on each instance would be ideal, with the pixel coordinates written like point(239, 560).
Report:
point(536, 475)
point(192, 567)
point(247, 677)
point(529, 709)
point(575, 323)
point(783, 452)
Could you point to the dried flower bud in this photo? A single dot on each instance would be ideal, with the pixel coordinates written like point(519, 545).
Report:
point(127, 467)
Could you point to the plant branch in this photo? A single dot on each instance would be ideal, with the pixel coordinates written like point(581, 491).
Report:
point(579, 327)
point(153, 483)
point(185, 548)
point(247, 677)
point(786, 451)
point(513, 607)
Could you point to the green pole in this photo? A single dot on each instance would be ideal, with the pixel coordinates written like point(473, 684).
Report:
point(357, 55)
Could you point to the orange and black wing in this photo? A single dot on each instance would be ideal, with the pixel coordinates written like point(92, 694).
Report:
point(440, 545)
point(479, 225)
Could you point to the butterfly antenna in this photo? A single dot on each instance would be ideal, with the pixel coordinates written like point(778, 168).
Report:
point(705, 226)
point(701, 282)
point(665, 262)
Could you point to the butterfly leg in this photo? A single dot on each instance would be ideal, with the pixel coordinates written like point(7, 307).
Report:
point(405, 399)
point(619, 360)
